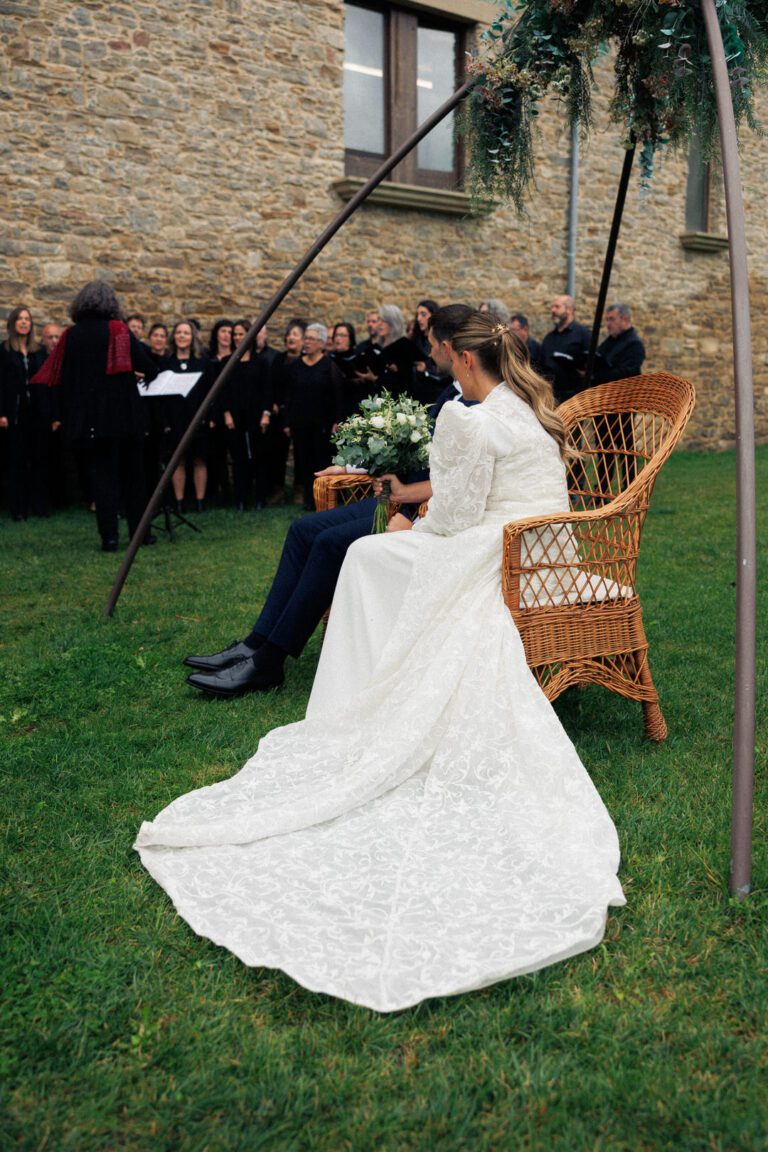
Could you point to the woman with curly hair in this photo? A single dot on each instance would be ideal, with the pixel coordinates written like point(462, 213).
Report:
point(94, 368)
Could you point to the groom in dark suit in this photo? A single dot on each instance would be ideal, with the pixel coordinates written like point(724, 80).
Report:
point(309, 567)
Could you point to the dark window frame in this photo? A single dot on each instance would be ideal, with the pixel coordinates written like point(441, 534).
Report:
point(400, 114)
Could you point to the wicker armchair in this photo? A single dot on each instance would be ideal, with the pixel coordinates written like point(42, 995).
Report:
point(570, 583)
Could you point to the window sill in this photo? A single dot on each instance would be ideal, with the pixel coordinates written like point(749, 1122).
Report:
point(413, 196)
point(703, 242)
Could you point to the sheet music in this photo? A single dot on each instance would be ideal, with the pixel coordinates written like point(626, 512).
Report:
point(170, 383)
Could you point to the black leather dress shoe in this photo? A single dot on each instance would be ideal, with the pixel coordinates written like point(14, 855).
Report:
point(237, 679)
point(236, 652)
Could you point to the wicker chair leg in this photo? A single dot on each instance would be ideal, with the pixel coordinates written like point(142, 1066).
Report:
point(653, 718)
point(655, 724)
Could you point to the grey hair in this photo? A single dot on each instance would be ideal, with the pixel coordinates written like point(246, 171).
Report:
point(391, 314)
point(496, 308)
point(623, 310)
point(319, 330)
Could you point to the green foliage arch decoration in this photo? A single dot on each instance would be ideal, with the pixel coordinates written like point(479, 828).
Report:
point(664, 91)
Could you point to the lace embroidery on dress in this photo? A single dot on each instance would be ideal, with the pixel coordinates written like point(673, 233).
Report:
point(429, 828)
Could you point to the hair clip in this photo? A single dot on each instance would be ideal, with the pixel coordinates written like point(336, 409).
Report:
point(500, 329)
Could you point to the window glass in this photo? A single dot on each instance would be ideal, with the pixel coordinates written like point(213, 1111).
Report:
point(697, 191)
point(364, 126)
point(435, 82)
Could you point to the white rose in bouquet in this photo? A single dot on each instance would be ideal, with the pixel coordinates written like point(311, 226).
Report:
point(386, 435)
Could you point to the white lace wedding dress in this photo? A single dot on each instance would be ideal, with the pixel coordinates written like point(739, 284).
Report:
point(428, 828)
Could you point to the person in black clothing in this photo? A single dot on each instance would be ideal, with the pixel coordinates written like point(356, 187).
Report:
point(136, 323)
point(428, 381)
point(396, 355)
point(220, 348)
point(347, 359)
point(278, 443)
point(263, 349)
point(155, 346)
point(564, 351)
point(186, 356)
point(26, 417)
point(622, 353)
point(519, 325)
point(246, 405)
point(619, 357)
point(372, 327)
point(312, 557)
point(93, 373)
point(313, 404)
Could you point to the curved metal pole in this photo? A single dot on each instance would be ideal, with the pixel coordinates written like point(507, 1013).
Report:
point(610, 252)
point(250, 337)
point(746, 572)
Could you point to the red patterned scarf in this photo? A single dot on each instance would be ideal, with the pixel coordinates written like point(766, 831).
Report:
point(118, 355)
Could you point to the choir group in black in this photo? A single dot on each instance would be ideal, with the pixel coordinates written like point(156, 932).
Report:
point(80, 402)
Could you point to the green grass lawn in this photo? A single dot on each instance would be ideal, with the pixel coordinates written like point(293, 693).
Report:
point(122, 1030)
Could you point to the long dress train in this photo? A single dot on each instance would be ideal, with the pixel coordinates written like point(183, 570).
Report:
point(428, 828)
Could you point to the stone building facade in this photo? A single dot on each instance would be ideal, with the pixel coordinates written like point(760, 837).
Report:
point(191, 153)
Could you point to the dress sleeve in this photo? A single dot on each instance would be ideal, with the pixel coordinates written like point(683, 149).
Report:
point(460, 470)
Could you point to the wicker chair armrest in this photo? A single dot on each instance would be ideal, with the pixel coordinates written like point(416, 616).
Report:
point(331, 491)
point(581, 557)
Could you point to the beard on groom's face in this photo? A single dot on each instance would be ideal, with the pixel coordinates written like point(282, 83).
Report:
point(440, 353)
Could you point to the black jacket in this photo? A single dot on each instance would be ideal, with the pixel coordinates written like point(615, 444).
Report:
point(21, 401)
point(94, 404)
point(179, 410)
point(313, 393)
point(248, 392)
point(619, 357)
point(563, 355)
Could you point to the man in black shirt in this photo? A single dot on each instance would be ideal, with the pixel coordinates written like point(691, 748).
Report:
point(620, 356)
point(564, 350)
point(519, 325)
point(622, 353)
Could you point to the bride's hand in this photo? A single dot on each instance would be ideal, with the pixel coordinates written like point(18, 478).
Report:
point(332, 470)
point(396, 487)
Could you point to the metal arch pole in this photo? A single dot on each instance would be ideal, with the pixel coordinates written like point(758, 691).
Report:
point(746, 573)
point(250, 337)
point(610, 252)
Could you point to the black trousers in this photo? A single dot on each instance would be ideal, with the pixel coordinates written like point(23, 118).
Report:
point(117, 474)
point(27, 466)
point(306, 576)
point(311, 452)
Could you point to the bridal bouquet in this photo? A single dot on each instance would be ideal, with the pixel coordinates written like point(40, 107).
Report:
point(386, 435)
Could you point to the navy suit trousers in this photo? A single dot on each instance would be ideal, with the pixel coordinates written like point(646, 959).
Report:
point(306, 576)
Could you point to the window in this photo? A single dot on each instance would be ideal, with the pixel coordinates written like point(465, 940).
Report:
point(399, 67)
point(697, 194)
point(700, 214)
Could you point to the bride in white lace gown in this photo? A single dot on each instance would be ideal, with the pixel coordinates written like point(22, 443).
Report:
point(428, 828)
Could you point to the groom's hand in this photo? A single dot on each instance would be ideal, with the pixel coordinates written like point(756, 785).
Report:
point(396, 487)
point(399, 523)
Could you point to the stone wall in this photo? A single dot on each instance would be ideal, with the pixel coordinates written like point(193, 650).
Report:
point(187, 153)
